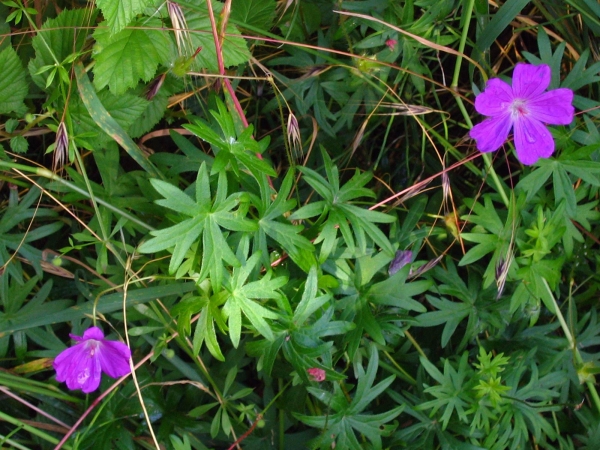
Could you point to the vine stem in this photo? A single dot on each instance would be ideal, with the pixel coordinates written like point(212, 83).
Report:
point(572, 344)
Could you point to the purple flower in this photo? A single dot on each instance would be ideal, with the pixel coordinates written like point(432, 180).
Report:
point(525, 106)
point(81, 365)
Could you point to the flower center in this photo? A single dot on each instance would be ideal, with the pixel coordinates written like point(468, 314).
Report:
point(91, 346)
point(518, 108)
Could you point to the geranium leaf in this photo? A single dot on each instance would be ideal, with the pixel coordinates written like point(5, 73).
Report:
point(131, 55)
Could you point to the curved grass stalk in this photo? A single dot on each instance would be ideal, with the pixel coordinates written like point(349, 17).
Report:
point(45, 173)
point(572, 345)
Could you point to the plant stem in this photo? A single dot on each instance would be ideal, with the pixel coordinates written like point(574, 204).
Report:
point(573, 345)
point(468, 13)
point(42, 172)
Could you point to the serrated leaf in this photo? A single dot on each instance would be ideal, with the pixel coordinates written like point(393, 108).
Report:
point(133, 54)
point(59, 38)
point(119, 13)
point(234, 48)
point(19, 144)
point(256, 13)
point(13, 84)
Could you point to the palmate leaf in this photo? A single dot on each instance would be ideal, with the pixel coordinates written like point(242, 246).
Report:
point(13, 85)
point(241, 300)
point(354, 223)
point(119, 13)
point(287, 235)
point(206, 218)
point(348, 416)
point(131, 55)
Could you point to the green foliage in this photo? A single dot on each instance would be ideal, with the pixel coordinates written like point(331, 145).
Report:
point(254, 277)
point(120, 14)
point(349, 416)
point(13, 86)
point(130, 55)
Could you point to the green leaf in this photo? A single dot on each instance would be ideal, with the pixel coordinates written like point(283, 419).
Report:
point(241, 299)
point(19, 144)
point(58, 38)
point(206, 218)
point(234, 48)
point(107, 123)
point(505, 15)
point(339, 425)
point(13, 83)
point(124, 109)
point(119, 13)
point(256, 13)
point(131, 55)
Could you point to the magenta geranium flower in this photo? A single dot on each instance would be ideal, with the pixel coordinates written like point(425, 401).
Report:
point(81, 366)
point(526, 107)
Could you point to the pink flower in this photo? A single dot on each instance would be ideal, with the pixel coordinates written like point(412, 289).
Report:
point(526, 107)
point(81, 366)
point(316, 374)
point(391, 43)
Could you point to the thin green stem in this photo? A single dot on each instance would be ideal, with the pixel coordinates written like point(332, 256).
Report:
point(467, 14)
point(572, 344)
point(30, 429)
point(52, 176)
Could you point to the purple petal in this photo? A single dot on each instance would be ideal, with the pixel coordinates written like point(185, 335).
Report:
point(532, 140)
point(93, 333)
point(114, 358)
point(491, 133)
point(553, 107)
point(78, 368)
point(496, 98)
point(530, 81)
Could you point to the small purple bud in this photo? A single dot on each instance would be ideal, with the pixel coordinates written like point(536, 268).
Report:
point(402, 258)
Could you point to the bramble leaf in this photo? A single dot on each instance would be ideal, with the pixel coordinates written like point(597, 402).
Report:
point(234, 47)
point(119, 13)
point(131, 55)
point(257, 13)
point(13, 84)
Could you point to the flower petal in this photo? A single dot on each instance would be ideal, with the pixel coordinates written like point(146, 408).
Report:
point(93, 333)
point(114, 358)
point(496, 98)
point(64, 362)
point(491, 133)
point(92, 381)
point(532, 140)
point(553, 107)
point(530, 81)
point(78, 368)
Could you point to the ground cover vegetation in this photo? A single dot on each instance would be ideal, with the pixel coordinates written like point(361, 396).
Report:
point(269, 224)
